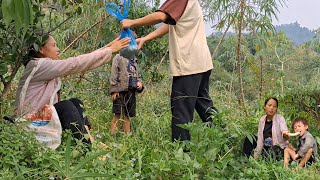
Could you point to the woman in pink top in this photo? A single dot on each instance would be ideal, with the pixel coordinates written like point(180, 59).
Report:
point(272, 131)
point(45, 82)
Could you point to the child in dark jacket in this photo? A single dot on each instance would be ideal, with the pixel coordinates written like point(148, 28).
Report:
point(125, 82)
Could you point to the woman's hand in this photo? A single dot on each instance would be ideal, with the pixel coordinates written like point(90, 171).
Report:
point(114, 96)
point(118, 44)
point(285, 135)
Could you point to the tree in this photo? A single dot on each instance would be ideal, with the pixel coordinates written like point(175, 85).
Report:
point(314, 44)
point(243, 15)
point(305, 99)
point(20, 29)
point(16, 19)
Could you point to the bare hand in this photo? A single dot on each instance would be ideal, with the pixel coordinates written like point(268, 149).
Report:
point(295, 157)
point(118, 44)
point(139, 85)
point(285, 135)
point(126, 23)
point(116, 39)
point(114, 96)
point(140, 42)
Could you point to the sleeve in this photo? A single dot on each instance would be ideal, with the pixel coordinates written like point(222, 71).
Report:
point(51, 69)
point(139, 78)
point(306, 146)
point(174, 10)
point(114, 79)
point(283, 124)
point(260, 137)
point(138, 72)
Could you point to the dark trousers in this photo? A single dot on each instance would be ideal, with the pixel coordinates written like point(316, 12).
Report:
point(274, 151)
point(248, 147)
point(71, 116)
point(189, 93)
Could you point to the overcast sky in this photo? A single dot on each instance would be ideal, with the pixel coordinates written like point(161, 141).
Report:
point(305, 12)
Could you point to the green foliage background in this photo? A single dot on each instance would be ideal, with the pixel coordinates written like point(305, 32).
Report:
point(216, 153)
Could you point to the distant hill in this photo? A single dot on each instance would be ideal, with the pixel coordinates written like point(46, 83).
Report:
point(296, 33)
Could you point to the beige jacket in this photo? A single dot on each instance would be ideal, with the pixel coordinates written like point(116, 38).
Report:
point(189, 51)
point(45, 81)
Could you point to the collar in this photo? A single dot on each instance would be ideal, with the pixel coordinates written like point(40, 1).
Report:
point(272, 120)
point(305, 135)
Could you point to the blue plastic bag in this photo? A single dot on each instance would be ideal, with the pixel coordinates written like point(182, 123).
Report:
point(115, 11)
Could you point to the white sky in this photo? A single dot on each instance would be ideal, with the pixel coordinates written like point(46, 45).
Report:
point(305, 12)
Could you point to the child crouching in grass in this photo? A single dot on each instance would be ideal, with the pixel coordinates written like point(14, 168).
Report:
point(307, 151)
point(125, 82)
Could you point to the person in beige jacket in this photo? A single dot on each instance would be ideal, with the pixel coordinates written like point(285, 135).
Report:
point(190, 60)
point(45, 82)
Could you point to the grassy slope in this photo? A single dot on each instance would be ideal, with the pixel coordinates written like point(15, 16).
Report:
point(148, 153)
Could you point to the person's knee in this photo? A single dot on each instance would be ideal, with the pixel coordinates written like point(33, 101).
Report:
point(64, 107)
point(76, 101)
point(64, 102)
point(286, 149)
point(309, 153)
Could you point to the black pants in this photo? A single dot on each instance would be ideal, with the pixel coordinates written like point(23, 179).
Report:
point(189, 93)
point(248, 147)
point(71, 116)
point(275, 151)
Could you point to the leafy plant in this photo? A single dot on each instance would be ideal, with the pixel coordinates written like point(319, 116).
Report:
point(21, 155)
point(73, 172)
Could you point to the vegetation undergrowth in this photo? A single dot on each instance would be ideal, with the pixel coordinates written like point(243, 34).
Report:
point(147, 153)
point(271, 66)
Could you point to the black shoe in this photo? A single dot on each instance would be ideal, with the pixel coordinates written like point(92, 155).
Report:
point(8, 119)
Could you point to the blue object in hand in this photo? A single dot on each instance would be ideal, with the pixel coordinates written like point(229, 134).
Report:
point(115, 11)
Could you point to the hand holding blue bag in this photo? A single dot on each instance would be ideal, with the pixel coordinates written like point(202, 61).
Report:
point(114, 10)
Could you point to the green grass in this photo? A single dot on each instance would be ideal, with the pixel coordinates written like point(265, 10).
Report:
point(147, 153)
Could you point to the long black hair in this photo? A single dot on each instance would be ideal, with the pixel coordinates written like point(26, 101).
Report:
point(33, 49)
point(267, 100)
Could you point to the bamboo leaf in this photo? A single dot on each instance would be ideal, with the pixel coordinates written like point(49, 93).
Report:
point(67, 155)
point(57, 166)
